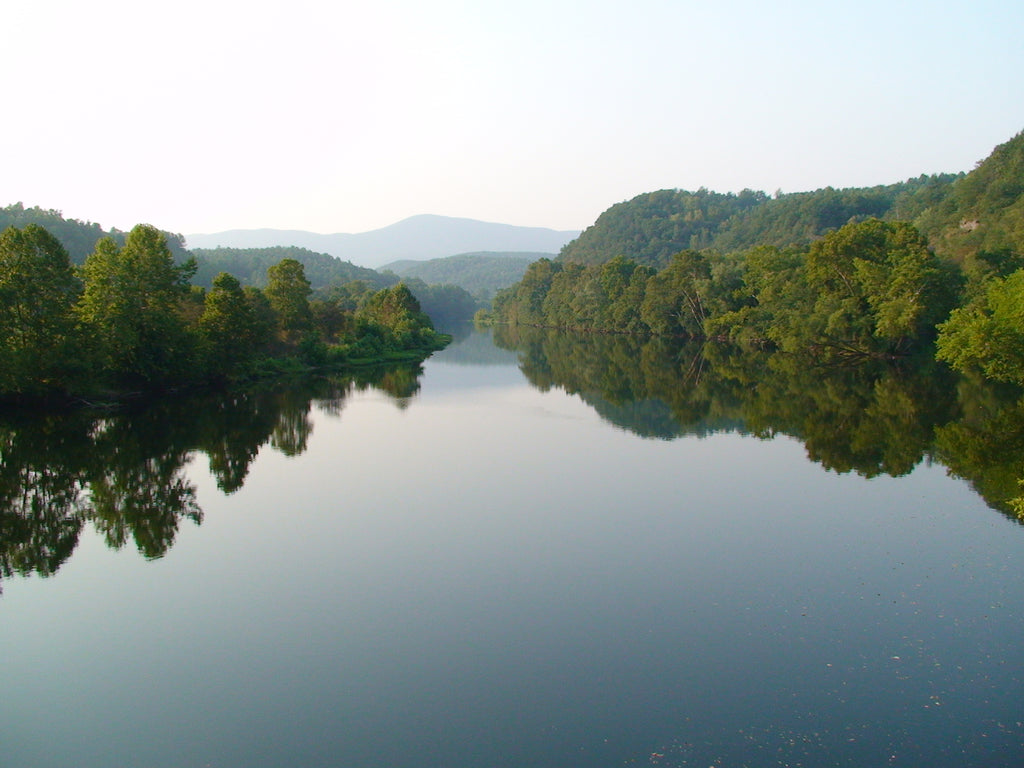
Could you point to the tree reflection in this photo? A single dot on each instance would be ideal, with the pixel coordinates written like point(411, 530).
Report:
point(986, 445)
point(41, 491)
point(145, 500)
point(872, 419)
point(231, 432)
point(293, 428)
point(125, 471)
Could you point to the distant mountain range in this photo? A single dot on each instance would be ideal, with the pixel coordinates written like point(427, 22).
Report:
point(416, 238)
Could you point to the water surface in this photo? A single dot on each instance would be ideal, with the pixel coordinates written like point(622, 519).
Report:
point(470, 569)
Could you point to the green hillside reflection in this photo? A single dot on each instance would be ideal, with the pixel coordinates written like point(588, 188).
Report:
point(872, 418)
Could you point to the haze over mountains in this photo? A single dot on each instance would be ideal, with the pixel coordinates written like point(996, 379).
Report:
point(416, 238)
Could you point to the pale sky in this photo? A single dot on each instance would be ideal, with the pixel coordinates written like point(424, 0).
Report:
point(202, 116)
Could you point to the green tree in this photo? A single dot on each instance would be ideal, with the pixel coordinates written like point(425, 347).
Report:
point(878, 287)
point(131, 306)
point(227, 325)
point(988, 335)
point(261, 315)
point(775, 300)
point(38, 290)
point(397, 312)
point(676, 300)
point(288, 293)
point(523, 302)
point(330, 319)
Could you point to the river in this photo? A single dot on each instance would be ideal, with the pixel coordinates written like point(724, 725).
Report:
point(490, 562)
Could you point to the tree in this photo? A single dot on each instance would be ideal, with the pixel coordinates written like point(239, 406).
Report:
point(675, 303)
point(38, 289)
point(523, 302)
point(288, 293)
point(227, 324)
point(131, 306)
point(397, 312)
point(988, 335)
point(775, 300)
point(877, 286)
point(330, 319)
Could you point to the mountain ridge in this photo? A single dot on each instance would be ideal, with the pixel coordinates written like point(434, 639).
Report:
point(416, 238)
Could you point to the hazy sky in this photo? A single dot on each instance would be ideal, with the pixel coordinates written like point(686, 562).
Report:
point(344, 117)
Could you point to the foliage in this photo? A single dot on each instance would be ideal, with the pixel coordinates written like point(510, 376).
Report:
point(397, 316)
point(682, 298)
point(802, 217)
point(984, 210)
point(129, 320)
point(229, 326)
point(250, 266)
point(288, 292)
point(876, 283)
point(130, 307)
point(78, 238)
point(871, 287)
point(652, 227)
point(988, 335)
point(445, 305)
point(38, 290)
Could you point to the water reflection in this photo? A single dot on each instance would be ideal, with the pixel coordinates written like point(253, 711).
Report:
point(125, 471)
point(872, 419)
point(494, 577)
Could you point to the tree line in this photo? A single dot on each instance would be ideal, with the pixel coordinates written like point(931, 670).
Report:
point(128, 319)
point(868, 289)
point(445, 299)
point(873, 272)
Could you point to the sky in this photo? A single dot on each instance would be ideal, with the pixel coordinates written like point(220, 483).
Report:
point(204, 116)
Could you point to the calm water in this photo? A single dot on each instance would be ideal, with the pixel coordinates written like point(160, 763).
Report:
point(474, 569)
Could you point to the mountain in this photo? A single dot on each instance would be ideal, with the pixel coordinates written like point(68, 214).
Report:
point(482, 274)
point(652, 227)
point(416, 238)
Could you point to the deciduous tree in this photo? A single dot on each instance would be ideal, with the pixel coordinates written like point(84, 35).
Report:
point(38, 289)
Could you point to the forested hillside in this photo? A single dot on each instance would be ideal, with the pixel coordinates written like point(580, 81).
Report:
point(873, 272)
point(482, 273)
point(802, 217)
point(960, 214)
point(250, 266)
point(79, 238)
point(982, 211)
point(870, 288)
point(652, 227)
